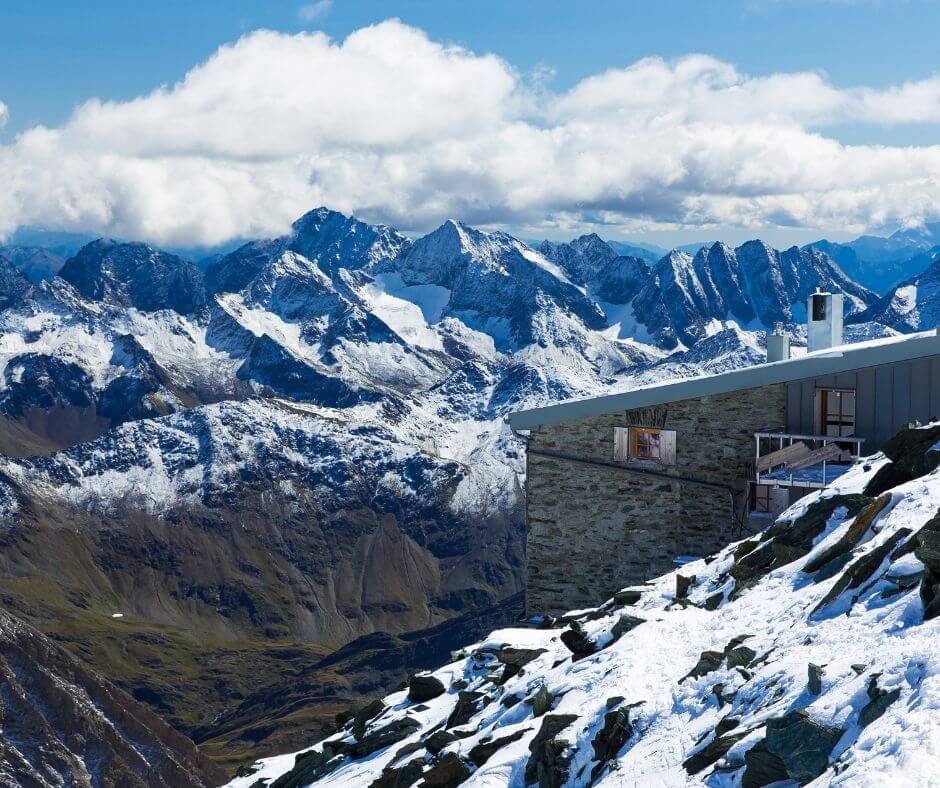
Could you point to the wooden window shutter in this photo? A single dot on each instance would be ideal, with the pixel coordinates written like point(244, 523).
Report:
point(667, 447)
point(621, 444)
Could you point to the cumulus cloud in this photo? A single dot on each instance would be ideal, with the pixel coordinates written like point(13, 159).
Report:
point(400, 128)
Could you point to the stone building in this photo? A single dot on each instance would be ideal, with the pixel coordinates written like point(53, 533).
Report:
point(622, 487)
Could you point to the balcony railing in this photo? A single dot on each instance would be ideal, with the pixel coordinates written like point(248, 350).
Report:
point(790, 460)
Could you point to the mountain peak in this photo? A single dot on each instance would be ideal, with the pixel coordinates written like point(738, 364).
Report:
point(135, 275)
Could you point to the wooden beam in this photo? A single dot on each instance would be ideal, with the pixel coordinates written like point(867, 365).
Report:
point(830, 451)
point(792, 452)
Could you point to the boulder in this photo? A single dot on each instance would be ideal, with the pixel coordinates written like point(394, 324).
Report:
point(447, 772)
point(714, 601)
point(483, 751)
point(861, 570)
point(740, 656)
point(438, 740)
point(610, 739)
point(628, 596)
point(400, 776)
point(712, 752)
point(549, 758)
point(762, 767)
point(623, 625)
point(467, 704)
point(424, 688)
point(853, 535)
point(814, 675)
point(363, 714)
point(911, 457)
point(384, 737)
point(802, 744)
point(541, 701)
point(927, 551)
point(708, 661)
point(514, 659)
point(577, 642)
point(510, 700)
point(310, 765)
point(804, 530)
point(878, 702)
point(683, 584)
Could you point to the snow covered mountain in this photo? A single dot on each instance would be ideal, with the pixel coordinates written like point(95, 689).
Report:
point(804, 655)
point(913, 305)
point(683, 299)
point(304, 443)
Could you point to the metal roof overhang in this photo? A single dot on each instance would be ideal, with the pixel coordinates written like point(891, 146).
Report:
point(831, 361)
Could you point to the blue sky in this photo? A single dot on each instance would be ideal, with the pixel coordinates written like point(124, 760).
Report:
point(54, 56)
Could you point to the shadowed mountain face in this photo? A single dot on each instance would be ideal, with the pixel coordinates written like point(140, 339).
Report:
point(64, 725)
point(135, 275)
point(36, 262)
point(14, 286)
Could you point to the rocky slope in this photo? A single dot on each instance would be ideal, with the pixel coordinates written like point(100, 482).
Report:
point(64, 725)
point(804, 655)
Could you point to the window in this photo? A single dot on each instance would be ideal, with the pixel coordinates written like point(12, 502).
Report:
point(645, 444)
point(837, 412)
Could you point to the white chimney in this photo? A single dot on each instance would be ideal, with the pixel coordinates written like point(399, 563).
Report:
point(823, 321)
point(778, 345)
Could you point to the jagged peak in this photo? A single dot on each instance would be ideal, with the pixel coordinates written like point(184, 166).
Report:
point(756, 245)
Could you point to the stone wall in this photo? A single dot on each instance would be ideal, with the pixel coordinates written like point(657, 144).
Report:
point(592, 530)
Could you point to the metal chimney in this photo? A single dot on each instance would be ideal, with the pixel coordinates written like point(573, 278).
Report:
point(823, 321)
point(778, 345)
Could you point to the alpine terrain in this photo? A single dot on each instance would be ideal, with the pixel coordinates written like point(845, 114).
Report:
point(803, 656)
point(256, 491)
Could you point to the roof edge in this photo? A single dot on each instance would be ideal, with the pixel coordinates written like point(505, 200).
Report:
point(831, 361)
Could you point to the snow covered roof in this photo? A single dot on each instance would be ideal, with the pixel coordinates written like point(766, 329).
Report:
point(830, 361)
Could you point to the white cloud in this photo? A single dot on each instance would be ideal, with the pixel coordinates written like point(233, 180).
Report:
point(400, 128)
point(4, 114)
point(314, 11)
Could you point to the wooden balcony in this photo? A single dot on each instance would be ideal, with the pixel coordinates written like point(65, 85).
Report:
point(785, 459)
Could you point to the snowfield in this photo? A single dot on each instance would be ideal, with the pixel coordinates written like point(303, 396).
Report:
point(804, 649)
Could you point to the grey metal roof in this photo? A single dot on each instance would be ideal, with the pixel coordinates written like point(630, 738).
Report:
point(831, 361)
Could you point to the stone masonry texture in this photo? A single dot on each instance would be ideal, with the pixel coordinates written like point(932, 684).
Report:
point(593, 530)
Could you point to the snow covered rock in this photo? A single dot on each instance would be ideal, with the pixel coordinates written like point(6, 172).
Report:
point(495, 281)
point(913, 305)
point(327, 238)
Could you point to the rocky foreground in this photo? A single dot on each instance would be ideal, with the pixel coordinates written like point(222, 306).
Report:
point(805, 654)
